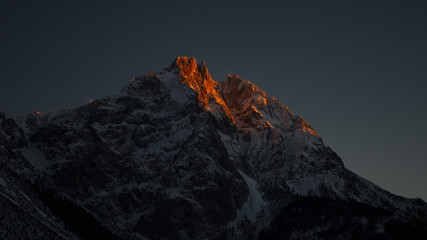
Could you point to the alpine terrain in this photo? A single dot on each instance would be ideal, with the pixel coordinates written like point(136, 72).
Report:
point(177, 155)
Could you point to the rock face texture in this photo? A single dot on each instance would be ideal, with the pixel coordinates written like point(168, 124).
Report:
point(176, 155)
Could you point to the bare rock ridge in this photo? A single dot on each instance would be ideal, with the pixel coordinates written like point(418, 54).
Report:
point(233, 94)
point(199, 79)
point(177, 155)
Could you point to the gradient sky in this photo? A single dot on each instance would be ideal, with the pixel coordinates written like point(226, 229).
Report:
point(356, 72)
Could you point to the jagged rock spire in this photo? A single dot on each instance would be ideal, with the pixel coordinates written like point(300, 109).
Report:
point(199, 79)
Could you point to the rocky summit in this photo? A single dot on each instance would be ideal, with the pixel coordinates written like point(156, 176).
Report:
point(177, 155)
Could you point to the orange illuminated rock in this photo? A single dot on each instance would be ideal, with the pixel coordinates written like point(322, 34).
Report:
point(307, 128)
point(186, 64)
point(251, 107)
point(241, 100)
point(199, 79)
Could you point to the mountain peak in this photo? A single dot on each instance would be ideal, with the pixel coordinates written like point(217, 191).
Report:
point(198, 78)
point(187, 65)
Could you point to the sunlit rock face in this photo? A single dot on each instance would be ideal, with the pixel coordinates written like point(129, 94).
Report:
point(199, 79)
point(177, 155)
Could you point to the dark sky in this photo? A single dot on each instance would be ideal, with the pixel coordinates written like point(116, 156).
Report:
point(355, 71)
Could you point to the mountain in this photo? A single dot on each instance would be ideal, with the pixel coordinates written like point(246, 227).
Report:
point(177, 155)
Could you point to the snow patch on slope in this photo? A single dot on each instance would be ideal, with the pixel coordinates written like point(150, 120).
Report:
point(255, 202)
